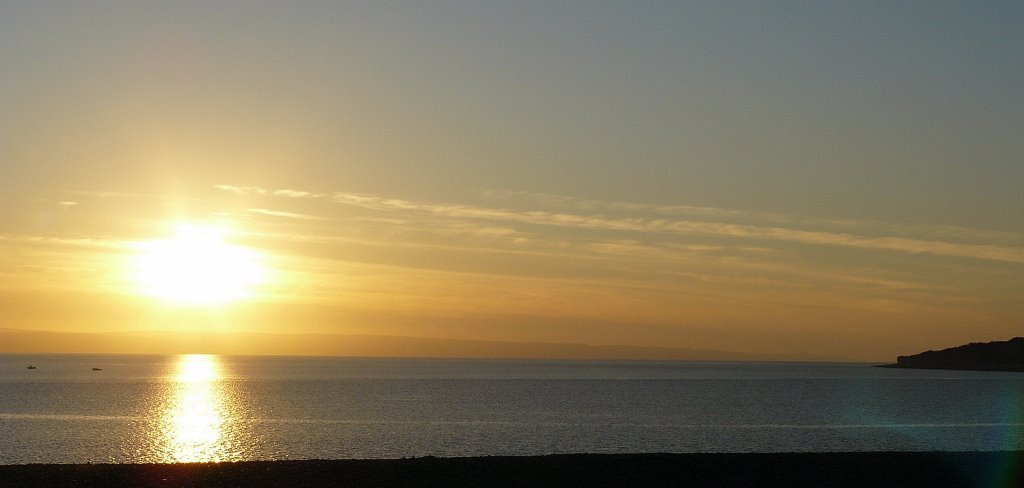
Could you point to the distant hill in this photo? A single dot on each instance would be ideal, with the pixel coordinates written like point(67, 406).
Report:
point(980, 356)
point(170, 342)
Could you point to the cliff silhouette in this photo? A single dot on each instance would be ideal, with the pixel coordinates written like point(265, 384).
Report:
point(979, 356)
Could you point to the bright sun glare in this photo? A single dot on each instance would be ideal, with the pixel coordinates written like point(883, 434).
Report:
point(197, 266)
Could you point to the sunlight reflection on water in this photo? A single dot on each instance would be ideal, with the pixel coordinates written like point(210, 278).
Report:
point(146, 409)
point(197, 416)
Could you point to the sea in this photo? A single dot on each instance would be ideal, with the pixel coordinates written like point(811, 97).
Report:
point(189, 408)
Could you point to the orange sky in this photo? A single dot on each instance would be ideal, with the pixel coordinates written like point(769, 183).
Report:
point(522, 267)
point(795, 179)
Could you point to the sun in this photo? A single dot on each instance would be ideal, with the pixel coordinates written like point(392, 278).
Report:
point(197, 267)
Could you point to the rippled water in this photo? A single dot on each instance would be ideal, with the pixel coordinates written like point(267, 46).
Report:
point(210, 408)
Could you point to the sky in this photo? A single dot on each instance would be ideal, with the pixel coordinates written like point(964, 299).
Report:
point(838, 178)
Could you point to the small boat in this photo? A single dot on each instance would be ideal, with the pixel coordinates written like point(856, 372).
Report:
point(31, 366)
point(97, 369)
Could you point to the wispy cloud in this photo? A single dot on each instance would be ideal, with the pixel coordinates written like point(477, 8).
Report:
point(297, 194)
point(287, 215)
point(719, 223)
point(258, 190)
point(921, 231)
point(697, 227)
point(242, 190)
point(90, 243)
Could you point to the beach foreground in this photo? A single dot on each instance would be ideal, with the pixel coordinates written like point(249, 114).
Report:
point(932, 469)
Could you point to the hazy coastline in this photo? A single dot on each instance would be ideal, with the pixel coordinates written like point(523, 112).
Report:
point(22, 341)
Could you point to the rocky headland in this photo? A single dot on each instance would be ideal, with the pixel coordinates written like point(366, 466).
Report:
point(978, 356)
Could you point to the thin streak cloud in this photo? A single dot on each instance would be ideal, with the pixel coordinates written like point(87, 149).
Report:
point(282, 214)
point(659, 225)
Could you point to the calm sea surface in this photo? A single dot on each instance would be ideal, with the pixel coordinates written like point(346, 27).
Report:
point(207, 408)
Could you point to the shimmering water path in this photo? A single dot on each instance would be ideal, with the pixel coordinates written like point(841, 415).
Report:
point(211, 408)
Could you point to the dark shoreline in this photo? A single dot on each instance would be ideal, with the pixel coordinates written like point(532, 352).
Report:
point(976, 356)
point(931, 469)
point(994, 368)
